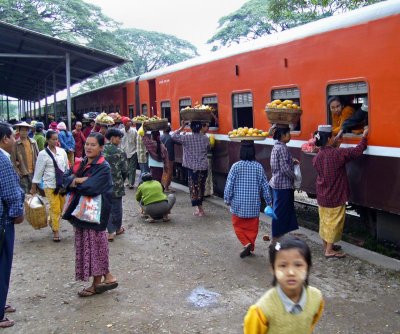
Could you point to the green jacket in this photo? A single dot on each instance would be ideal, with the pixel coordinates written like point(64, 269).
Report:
point(40, 140)
point(150, 192)
point(119, 168)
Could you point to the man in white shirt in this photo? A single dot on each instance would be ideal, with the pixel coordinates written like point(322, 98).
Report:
point(129, 146)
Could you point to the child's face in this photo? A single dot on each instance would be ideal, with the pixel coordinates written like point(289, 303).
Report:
point(290, 270)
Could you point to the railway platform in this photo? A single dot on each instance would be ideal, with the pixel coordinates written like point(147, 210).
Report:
point(186, 276)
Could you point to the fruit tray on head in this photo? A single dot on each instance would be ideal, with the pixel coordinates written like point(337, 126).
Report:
point(196, 115)
point(283, 116)
point(240, 138)
point(157, 125)
point(104, 123)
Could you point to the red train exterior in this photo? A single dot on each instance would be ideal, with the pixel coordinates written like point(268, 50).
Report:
point(353, 55)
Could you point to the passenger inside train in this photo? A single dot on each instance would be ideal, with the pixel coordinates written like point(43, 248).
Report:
point(357, 121)
point(339, 112)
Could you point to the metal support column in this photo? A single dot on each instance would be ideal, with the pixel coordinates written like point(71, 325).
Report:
point(68, 74)
point(8, 110)
point(54, 97)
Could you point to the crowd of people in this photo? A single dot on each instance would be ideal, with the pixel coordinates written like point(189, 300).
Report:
point(84, 174)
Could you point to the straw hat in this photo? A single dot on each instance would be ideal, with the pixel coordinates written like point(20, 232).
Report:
point(23, 124)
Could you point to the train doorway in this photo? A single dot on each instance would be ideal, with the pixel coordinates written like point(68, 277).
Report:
point(242, 110)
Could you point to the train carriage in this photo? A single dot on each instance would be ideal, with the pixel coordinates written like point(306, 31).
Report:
point(352, 55)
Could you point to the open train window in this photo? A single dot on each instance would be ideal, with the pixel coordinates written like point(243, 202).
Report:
point(117, 108)
point(131, 110)
point(293, 94)
point(242, 110)
point(98, 109)
point(166, 110)
point(212, 101)
point(144, 109)
point(345, 108)
point(183, 103)
point(111, 108)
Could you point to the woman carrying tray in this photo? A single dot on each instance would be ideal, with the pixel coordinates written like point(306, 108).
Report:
point(195, 150)
point(158, 155)
point(282, 184)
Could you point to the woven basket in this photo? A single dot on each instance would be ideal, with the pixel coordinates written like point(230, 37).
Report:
point(161, 124)
point(283, 116)
point(195, 115)
point(37, 217)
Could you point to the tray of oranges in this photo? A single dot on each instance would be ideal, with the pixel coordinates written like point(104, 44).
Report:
point(246, 133)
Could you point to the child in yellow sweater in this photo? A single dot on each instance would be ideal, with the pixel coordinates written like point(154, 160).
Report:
point(291, 306)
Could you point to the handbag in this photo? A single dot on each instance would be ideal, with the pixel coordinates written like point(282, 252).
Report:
point(59, 175)
point(88, 209)
point(154, 163)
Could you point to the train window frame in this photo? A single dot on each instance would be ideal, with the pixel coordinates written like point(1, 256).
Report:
point(166, 104)
point(243, 101)
point(131, 110)
point(111, 108)
point(183, 103)
point(212, 101)
point(144, 109)
point(288, 93)
point(354, 92)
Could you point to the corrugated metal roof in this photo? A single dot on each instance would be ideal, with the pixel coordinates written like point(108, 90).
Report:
point(25, 75)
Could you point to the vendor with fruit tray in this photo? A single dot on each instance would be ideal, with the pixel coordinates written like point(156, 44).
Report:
point(195, 150)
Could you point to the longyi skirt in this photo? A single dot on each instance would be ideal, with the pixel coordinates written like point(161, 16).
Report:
point(284, 210)
point(331, 223)
point(91, 253)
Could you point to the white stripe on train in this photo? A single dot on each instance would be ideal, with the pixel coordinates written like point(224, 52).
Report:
point(382, 151)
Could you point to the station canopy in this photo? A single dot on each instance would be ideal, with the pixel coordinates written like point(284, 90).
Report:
point(30, 60)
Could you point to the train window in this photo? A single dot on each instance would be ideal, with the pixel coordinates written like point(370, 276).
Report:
point(117, 108)
point(111, 108)
point(352, 115)
point(183, 103)
point(98, 109)
point(212, 101)
point(144, 109)
point(131, 110)
point(292, 94)
point(242, 110)
point(166, 110)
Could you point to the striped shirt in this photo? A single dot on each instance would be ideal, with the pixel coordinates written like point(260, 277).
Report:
point(245, 185)
point(282, 167)
point(195, 149)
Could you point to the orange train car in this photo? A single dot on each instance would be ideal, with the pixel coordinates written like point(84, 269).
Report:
point(352, 55)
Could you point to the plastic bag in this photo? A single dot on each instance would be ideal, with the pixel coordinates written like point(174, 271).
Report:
point(297, 176)
point(270, 212)
point(88, 209)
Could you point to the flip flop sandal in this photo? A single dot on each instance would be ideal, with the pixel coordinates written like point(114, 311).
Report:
point(5, 323)
point(56, 239)
point(121, 231)
point(86, 293)
point(103, 287)
point(335, 256)
point(336, 248)
point(9, 309)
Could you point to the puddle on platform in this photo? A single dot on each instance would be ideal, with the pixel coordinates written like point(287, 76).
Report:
point(201, 297)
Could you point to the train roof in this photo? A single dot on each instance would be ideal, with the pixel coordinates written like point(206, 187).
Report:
point(356, 17)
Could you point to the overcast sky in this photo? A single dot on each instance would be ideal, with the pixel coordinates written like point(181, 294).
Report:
point(193, 20)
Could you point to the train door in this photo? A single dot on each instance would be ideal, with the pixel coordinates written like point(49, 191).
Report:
point(292, 94)
point(166, 110)
point(152, 97)
point(124, 101)
point(242, 110)
point(131, 110)
point(212, 101)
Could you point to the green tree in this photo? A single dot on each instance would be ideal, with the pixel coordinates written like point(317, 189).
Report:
point(257, 18)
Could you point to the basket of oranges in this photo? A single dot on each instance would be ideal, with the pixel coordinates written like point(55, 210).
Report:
point(245, 133)
point(283, 112)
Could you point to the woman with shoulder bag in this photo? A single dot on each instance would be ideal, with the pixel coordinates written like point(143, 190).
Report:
point(91, 182)
point(51, 164)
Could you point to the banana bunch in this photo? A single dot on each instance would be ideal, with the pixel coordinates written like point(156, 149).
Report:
point(104, 118)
